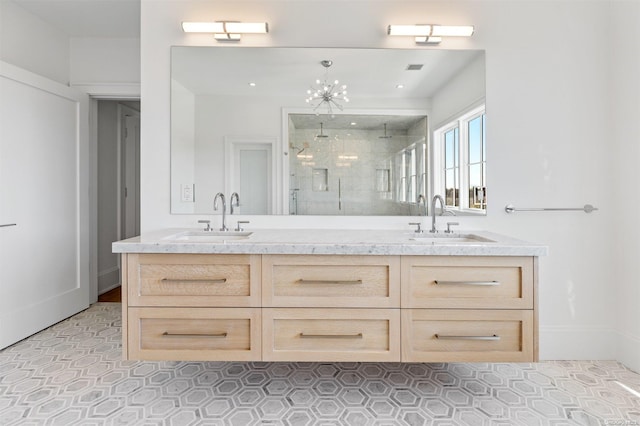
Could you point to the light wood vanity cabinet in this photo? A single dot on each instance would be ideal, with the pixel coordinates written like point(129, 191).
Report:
point(329, 308)
point(302, 296)
point(331, 334)
point(190, 280)
point(323, 281)
point(192, 307)
point(474, 309)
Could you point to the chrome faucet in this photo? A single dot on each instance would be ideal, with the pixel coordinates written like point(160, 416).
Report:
point(237, 204)
point(424, 203)
point(433, 211)
point(220, 195)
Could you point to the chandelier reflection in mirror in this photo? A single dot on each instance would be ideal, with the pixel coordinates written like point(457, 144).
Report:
point(325, 94)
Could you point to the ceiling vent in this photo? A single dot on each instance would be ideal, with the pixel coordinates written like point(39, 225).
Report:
point(414, 67)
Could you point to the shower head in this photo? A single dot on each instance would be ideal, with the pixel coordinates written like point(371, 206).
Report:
point(321, 135)
point(385, 133)
point(305, 145)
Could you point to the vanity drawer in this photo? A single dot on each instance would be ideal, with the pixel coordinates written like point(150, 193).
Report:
point(467, 282)
point(206, 280)
point(195, 334)
point(331, 281)
point(331, 335)
point(443, 335)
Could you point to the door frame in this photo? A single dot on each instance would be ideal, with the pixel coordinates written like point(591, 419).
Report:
point(123, 111)
point(232, 145)
point(96, 92)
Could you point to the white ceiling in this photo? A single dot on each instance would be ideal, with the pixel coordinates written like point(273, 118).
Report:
point(368, 73)
point(88, 18)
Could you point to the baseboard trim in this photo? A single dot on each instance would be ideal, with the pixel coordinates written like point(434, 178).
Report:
point(578, 343)
point(629, 350)
point(108, 271)
point(40, 315)
point(108, 289)
point(108, 279)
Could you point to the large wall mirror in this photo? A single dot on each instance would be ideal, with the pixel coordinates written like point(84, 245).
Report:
point(273, 125)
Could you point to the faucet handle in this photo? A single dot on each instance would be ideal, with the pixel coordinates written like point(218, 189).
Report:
point(238, 228)
point(208, 228)
point(449, 225)
point(418, 229)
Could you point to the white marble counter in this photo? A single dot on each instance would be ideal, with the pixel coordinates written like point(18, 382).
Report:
point(341, 242)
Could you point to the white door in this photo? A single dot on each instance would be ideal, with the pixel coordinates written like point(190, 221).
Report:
point(254, 173)
point(250, 171)
point(44, 192)
point(131, 168)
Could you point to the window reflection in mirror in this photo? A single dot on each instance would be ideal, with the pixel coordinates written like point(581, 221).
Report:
point(460, 161)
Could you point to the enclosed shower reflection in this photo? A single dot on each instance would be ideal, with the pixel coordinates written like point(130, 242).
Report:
point(356, 164)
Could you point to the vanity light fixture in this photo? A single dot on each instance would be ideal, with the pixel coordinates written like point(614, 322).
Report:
point(430, 34)
point(226, 30)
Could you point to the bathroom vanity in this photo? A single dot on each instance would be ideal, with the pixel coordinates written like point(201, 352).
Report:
point(329, 295)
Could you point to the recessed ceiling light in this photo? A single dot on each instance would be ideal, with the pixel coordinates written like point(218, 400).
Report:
point(399, 86)
point(252, 84)
point(353, 123)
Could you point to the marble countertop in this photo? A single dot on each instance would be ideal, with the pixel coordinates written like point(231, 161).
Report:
point(331, 241)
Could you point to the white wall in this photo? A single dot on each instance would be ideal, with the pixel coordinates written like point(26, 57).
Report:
point(32, 44)
point(104, 60)
point(183, 148)
point(547, 120)
point(464, 91)
point(625, 69)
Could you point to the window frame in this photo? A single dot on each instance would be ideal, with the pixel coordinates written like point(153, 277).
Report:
point(461, 121)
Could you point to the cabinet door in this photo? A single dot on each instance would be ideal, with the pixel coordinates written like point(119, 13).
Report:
point(204, 280)
point(467, 282)
point(331, 335)
point(448, 335)
point(194, 334)
point(44, 257)
point(331, 281)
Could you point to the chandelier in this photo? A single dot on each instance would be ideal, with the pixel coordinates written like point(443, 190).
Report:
point(326, 93)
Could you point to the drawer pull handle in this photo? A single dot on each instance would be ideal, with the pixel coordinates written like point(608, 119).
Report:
point(486, 283)
point(444, 337)
point(186, 335)
point(197, 281)
point(331, 336)
point(301, 281)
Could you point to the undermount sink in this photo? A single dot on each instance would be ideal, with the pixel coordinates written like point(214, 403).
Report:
point(209, 236)
point(429, 238)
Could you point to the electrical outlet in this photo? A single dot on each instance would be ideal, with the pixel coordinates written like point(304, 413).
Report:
point(186, 190)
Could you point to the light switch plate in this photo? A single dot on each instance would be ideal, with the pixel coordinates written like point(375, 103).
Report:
point(186, 191)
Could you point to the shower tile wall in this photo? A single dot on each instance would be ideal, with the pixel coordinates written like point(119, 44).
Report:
point(351, 158)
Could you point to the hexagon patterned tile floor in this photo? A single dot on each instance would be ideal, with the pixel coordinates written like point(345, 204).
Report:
point(71, 374)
